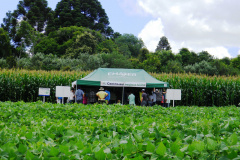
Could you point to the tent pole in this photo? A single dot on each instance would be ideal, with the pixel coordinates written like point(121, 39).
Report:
point(122, 95)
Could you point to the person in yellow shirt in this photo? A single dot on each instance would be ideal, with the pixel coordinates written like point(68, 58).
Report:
point(101, 94)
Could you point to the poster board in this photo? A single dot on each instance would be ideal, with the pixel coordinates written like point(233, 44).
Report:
point(62, 91)
point(44, 91)
point(174, 94)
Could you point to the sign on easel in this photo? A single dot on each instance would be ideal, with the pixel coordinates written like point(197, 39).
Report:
point(174, 94)
point(44, 92)
point(62, 91)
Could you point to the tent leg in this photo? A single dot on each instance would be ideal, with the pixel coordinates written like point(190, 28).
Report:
point(122, 95)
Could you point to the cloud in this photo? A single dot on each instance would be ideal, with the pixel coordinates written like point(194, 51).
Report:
point(131, 7)
point(219, 52)
point(197, 24)
point(151, 34)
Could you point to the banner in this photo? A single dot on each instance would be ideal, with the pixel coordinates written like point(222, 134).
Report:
point(123, 84)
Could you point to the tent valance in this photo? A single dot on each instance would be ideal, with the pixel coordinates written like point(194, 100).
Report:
point(116, 77)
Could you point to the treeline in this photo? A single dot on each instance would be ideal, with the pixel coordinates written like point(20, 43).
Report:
point(197, 90)
point(77, 36)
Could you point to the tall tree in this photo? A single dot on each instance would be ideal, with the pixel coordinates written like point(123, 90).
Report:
point(5, 46)
point(85, 13)
point(35, 12)
point(163, 44)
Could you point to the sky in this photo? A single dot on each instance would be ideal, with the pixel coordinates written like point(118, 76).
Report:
point(199, 25)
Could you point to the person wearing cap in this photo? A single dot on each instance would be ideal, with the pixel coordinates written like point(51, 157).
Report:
point(101, 94)
point(144, 98)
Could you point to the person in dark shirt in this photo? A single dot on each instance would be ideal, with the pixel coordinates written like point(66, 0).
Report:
point(144, 98)
point(92, 98)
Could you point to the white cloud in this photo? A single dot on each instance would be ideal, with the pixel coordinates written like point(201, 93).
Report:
point(218, 52)
point(239, 52)
point(197, 24)
point(151, 34)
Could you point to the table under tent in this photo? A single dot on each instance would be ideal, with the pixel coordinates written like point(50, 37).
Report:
point(120, 82)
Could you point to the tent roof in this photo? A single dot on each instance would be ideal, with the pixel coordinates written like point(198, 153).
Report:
point(117, 77)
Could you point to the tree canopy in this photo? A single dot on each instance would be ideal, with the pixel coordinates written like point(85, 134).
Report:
point(85, 13)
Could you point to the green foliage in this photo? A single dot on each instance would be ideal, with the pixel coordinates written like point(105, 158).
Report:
point(116, 60)
point(85, 13)
point(34, 12)
point(163, 44)
point(235, 62)
point(152, 63)
point(76, 131)
point(11, 61)
point(5, 46)
point(173, 66)
point(85, 43)
point(3, 63)
point(143, 54)
point(106, 46)
point(202, 67)
point(129, 45)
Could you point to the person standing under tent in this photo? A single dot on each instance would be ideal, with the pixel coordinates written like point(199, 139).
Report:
point(144, 98)
point(164, 98)
point(101, 94)
point(108, 97)
point(154, 97)
point(131, 99)
point(71, 98)
point(150, 100)
point(158, 97)
point(79, 94)
point(92, 97)
point(84, 98)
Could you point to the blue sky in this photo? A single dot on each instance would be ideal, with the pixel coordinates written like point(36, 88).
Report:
point(197, 25)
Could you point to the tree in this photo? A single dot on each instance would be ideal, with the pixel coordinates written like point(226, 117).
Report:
point(235, 62)
point(85, 13)
point(188, 58)
point(116, 60)
point(165, 56)
point(85, 43)
point(5, 46)
point(202, 67)
point(173, 66)
point(163, 44)
point(205, 56)
point(106, 46)
point(35, 12)
point(129, 45)
point(152, 63)
point(143, 54)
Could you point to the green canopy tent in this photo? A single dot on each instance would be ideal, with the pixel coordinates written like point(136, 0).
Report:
point(117, 77)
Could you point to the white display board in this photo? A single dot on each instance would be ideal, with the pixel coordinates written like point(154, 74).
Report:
point(44, 92)
point(174, 94)
point(62, 91)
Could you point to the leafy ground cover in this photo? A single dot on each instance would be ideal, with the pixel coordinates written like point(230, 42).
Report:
point(56, 131)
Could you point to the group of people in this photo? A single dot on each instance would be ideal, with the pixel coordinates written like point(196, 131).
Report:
point(79, 96)
point(146, 98)
point(155, 97)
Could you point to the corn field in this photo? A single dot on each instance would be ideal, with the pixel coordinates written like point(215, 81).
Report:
point(23, 85)
point(197, 90)
point(202, 90)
